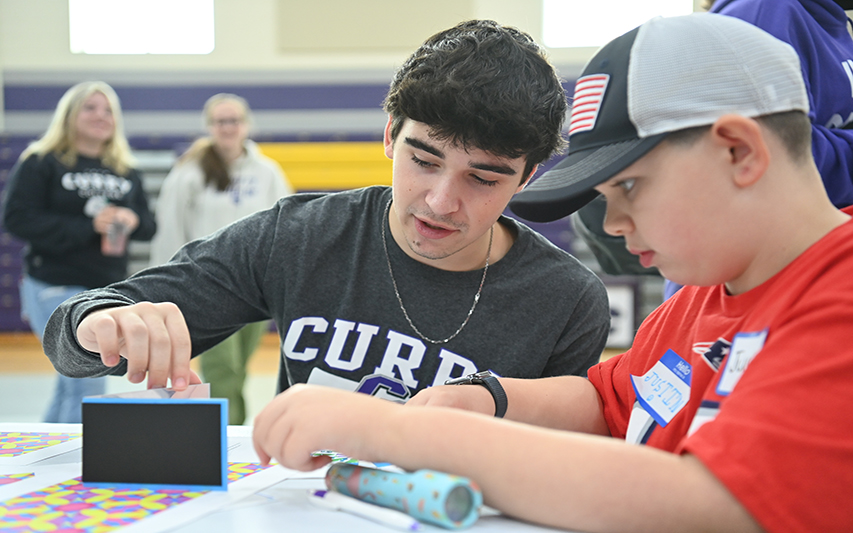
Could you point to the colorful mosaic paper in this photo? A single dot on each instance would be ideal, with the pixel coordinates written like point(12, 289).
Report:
point(13, 444)
point(6, 479)
point(74, 507)
point(240, 470)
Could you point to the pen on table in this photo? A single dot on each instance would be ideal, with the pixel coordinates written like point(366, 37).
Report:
point(381, 515)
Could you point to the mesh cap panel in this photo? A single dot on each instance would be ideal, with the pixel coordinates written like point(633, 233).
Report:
point(691, 74)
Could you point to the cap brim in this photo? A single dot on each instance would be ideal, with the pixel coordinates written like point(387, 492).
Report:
point(569, 185)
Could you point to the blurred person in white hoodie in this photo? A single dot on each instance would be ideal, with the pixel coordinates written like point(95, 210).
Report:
point(221, 178)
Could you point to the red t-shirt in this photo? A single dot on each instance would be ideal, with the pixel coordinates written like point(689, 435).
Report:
point(781, 437)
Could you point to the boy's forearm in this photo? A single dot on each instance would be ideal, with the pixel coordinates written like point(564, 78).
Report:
point(559, 478)
point(565, 402)
point(565, 479)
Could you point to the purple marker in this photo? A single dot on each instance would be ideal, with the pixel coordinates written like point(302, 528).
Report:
point(387, 517)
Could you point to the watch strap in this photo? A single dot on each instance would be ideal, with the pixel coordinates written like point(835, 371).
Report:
point(492, 384)
point(498, 393)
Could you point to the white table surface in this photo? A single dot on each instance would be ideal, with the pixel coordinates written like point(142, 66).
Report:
point(283, 507)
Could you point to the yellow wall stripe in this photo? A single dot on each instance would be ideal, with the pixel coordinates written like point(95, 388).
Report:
point(331, 165)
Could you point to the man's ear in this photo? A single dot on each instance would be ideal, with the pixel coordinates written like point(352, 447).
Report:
point(527, 179)
point(389, 142)
point(747, 148)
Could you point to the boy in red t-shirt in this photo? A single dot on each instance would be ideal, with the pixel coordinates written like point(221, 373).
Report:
point(729, 413)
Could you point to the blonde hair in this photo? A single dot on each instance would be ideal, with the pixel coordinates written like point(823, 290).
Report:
point(61, 135)
point(202, 150)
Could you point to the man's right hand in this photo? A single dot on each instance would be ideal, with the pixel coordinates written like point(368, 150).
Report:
point(468, 397)
point(153, 337)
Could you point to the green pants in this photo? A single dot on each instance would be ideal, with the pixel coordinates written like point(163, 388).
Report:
point(224, 367)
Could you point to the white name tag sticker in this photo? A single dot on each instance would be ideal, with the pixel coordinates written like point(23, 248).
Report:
point(745, 346)
point(665, 389)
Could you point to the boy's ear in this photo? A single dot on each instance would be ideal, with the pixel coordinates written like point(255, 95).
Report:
point(747, 147)
point(389, 142)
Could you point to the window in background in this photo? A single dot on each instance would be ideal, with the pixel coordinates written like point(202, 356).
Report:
point(141, 26)
point(582, 23)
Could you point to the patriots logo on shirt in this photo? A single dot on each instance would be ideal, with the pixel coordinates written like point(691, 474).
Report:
point(589, 92)
point(713, 354)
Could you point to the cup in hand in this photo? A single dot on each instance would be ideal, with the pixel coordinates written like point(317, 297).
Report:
point(114, 241)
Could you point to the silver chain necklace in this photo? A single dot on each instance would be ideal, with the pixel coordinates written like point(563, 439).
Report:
point(400, 300)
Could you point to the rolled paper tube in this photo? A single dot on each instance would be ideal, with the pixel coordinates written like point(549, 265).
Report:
point(445, 500)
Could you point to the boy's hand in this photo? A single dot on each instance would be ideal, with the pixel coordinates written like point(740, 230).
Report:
point(152, 337)
point(307, 418)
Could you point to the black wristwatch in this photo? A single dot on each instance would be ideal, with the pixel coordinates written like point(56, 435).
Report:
point(488, 380)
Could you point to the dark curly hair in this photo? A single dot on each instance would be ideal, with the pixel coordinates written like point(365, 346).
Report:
point(485, 86)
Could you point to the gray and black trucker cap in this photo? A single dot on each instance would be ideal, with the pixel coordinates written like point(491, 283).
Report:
point(667, 75)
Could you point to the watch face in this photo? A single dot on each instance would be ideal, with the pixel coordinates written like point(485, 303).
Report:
point(475, 378)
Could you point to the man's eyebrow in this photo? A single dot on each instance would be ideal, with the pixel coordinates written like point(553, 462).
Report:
point(497, 169)
point(420, 145)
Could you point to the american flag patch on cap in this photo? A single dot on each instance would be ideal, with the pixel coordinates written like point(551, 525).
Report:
point(589, 91)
